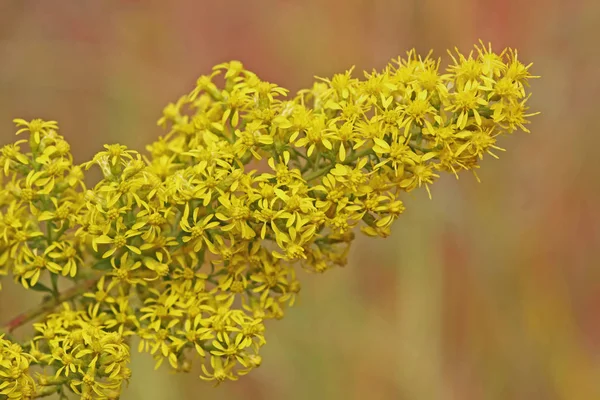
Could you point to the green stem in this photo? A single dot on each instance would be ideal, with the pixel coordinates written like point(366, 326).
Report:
point(349, 161)
point(54, 281)
point(48, 306)
point(421, 149)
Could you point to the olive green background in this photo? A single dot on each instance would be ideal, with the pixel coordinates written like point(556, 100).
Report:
point(488, 291)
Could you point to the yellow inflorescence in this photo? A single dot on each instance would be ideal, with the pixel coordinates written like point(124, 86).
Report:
point(189, 248)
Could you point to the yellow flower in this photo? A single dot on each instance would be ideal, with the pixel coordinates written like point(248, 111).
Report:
point(268, 216)
point(512, 115)
point(293, 242)
point(466, 100)
point(102, 294)
point(342, 85)
point(376, 86)
point(117, 239)
point(124, 269)
point(67, 254)
point(30, 265)
point(316, 135)
point(194, 333)
point(221, 370)
point(35, 127)
point(236, 213)
point(399, 155)
point(228, 348)
point(283, 173)
point(422, 174)
point(492, 63)
point(478, 142)
point(251, 139)
point(416, 110)
point(198, 229)
point(11, 154)
point(250, 331)
point(465, 69)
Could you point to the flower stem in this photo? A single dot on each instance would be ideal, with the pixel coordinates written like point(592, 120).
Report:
point(323, 171)
point(48, 306)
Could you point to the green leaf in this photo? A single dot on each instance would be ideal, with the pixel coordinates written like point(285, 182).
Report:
point(40, 287)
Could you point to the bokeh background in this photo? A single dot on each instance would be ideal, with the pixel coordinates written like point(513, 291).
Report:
point(488, 291)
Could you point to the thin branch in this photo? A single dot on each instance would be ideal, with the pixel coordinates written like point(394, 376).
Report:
point(48, 306)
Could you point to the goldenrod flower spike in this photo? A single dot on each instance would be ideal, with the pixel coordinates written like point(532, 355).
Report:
point(190, 249)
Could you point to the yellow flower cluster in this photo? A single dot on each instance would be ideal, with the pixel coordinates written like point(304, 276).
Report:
point(81, 351)
point(191, 247)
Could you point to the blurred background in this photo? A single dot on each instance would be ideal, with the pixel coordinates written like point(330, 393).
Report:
point(488, 291)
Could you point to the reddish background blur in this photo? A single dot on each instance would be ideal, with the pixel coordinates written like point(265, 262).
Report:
point(489, 291)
